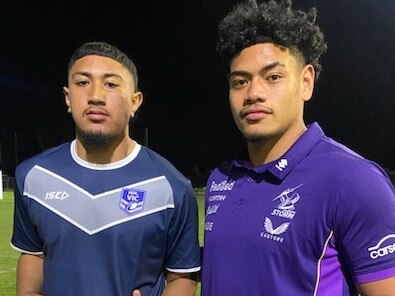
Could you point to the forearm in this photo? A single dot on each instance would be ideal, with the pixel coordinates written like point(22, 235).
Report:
point(178, 285)
point(29, 275)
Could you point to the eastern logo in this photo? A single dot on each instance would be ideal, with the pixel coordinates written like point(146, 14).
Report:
point(379, 250)
point(132, 200)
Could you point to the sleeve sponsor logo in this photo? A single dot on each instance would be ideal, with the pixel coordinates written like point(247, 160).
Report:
point(379, 250)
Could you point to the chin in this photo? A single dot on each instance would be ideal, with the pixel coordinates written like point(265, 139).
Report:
point(256, 138)
point(96, 139)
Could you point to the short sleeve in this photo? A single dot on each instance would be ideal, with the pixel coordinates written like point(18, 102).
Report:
point(365, 223)
point(25, 237)
point(183, 252)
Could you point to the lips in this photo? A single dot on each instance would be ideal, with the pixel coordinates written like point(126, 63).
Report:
point(254, 113)
point(96, 115)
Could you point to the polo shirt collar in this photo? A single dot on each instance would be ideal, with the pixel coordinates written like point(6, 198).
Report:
point(280, 167)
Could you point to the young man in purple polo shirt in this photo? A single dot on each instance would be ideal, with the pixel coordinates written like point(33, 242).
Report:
point(299, 214)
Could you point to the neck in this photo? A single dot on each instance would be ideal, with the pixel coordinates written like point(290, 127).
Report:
point(110, 153)
point(275, 146)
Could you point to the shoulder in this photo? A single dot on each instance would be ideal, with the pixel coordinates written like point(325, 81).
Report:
point(161, 166)
point(338, 159)
point(47, 156)
point(357, 183)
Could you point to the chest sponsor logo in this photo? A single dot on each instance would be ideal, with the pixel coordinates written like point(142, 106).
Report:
point(132, 200)
point(217, 197)
point(384, 247)
point(212, 209)
point(276, 231)
point(208, 226)
point(222, 186)
point(58, 195)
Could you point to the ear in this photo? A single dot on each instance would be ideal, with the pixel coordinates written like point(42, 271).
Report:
point(136, 100)
point(308, 79)
point(66, 98)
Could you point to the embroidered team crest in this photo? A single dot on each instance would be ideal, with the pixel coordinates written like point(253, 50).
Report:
point(132, 200)
point(287, 199)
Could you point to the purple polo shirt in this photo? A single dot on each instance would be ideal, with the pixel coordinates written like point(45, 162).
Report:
point(310, 223)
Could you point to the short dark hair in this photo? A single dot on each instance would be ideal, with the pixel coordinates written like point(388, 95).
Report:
point(104, 49)
point(250, 23)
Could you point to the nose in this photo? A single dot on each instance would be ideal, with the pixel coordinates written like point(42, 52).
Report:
point(255, 92)
point(97, 95)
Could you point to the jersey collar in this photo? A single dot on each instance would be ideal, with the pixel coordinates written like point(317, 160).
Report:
point(103, 167)
point(280, 167)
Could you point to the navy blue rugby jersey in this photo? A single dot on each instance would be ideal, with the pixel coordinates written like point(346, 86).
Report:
point(105, 229)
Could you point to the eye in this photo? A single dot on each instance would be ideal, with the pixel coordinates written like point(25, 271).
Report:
point(111, 84)
point(82, 82)
point(274, 77)
point(238, 83)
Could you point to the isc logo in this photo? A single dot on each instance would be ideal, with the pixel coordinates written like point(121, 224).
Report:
point(57, 195)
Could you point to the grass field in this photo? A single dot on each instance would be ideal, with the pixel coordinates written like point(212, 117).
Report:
point(8, 256)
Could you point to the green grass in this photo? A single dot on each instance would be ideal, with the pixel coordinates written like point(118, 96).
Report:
point(200, 197)
point(9, 257)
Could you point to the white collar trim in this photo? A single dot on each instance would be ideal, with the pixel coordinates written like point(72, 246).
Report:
point(107, 166)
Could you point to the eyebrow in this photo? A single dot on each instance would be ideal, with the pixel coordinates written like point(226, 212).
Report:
point(263, 70)
point(89, 75)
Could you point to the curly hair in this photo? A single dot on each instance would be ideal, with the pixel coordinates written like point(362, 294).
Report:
point(104, 49)
point(273, 21)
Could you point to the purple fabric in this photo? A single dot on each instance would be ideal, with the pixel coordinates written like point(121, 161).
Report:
point(330, 280)
point(375, 276)
point(266, 227)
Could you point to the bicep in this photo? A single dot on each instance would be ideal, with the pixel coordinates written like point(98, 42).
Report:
point(180, 284)
point(30, 274)
point(385, 287)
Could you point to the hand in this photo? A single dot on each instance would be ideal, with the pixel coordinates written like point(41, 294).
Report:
point(136, 293)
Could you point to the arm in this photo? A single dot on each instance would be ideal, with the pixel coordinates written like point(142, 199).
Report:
point(384, 287)
point(29, 275)
point(180, 284)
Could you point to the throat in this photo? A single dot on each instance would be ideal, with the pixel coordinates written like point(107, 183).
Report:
point(105, 154)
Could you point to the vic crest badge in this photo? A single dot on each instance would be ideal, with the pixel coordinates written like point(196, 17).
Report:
point(132, 201)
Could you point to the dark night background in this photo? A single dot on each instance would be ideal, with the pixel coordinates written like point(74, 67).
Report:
point(173, 45)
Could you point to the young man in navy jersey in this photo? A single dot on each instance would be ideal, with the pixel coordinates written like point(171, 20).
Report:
point(103, 215)
point(298, 213)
